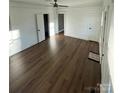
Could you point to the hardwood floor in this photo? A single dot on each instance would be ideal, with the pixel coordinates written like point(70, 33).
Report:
point(57, 65)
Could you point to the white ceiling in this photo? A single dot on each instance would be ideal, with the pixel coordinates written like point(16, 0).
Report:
point(63, 2)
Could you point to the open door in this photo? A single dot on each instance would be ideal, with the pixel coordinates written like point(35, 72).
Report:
point(46, 25)
point(40, 27)
point(61, 23)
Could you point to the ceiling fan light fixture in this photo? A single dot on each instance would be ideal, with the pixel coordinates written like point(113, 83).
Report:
point(55, 5)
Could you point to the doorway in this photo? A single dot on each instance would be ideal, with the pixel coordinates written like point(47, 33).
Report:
point(61, 23)
point(46, 25)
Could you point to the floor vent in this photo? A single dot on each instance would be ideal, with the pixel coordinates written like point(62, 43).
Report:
point(93, 56)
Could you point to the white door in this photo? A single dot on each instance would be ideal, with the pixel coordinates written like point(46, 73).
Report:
point(40, 27)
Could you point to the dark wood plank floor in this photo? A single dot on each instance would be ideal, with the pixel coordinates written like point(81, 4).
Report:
point(57, 65)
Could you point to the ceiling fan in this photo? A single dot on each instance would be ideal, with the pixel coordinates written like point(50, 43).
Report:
point(55, 4)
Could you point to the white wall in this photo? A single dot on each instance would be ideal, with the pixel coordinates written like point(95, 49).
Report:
point(23, 32)
point(79, 20)
point(107, 63)
point(111, 52)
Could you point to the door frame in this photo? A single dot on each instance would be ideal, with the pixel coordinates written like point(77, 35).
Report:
point(104, 33)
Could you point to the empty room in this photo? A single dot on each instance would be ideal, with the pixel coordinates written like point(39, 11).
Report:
point(61, 46)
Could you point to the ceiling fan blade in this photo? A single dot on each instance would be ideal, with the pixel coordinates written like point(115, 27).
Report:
point(63, 6)
point(52, 3)
point(56, 5)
